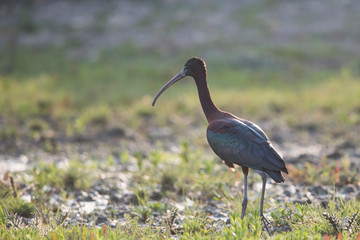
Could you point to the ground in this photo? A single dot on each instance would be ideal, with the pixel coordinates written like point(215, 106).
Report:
point(83, 153)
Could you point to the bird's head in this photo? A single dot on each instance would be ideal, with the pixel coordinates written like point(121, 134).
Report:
point(193, 67)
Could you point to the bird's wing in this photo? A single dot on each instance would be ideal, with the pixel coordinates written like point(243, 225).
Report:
point(256, 129)
point(260, 132)
point(245, 144)
point(240, 127)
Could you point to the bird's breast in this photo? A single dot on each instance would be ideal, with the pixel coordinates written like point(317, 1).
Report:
point(224, 145)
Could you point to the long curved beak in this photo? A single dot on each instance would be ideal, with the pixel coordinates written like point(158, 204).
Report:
point(176, 78)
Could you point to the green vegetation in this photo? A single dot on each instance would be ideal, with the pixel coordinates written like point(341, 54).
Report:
point(338, 172)
point(65, 91)
point(187, 178)
point(305, 222)
point(74, 176)
point(69, 178)
point(52, 102)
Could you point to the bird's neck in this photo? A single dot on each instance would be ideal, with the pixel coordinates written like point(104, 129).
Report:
point(207, 104)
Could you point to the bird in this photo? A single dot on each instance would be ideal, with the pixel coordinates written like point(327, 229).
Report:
point(233, 139)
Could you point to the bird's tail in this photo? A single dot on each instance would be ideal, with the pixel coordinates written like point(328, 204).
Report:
point(276, 176)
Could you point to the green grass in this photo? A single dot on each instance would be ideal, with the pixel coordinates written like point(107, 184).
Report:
point(181, 177)
point(10, 201)
point(49, 96)
point(306, 222)
point(74, 176)
point(78, 94)
point(340, 172)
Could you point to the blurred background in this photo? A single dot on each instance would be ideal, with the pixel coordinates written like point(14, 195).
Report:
point(84, 71)
point(77, 79)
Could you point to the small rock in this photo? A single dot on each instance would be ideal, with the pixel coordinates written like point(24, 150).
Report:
point(115, 197)
point(87, 207)
point(308, 196)
point(302, 201)
point(156, 195)
point(46, 188)
point(101, 220)
point(101, 203)
point(324, 203)
point(116, 132)
point(113, 224)
point(348, 189)
point(55, 199)
point(318, 190)
point(26, 198)
point(130, 199)
point(102, 189)
point(346, 145)
point(290, 190)
point(84, 196)
point(336, 154)
point(357, 196)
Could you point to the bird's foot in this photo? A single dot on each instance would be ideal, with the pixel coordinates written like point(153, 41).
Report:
point(266, 223)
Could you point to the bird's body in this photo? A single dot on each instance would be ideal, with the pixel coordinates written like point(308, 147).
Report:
point(234, 140)
point(242, 142)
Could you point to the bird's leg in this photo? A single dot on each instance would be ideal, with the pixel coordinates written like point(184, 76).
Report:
point(245, 201)
point(263, 218)
point(263, 177)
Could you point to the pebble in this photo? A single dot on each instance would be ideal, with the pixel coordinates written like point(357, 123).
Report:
point(115, 197)
point(318, 190)
point(101, 220)
point(84, 196)
point(87, 207)
point(357, 195)
point(130, 199)
point(156, 195)
point(290, 191)
point(350, 188)
point(26, 198)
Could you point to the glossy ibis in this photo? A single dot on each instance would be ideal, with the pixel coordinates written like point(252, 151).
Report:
point(234, 140)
